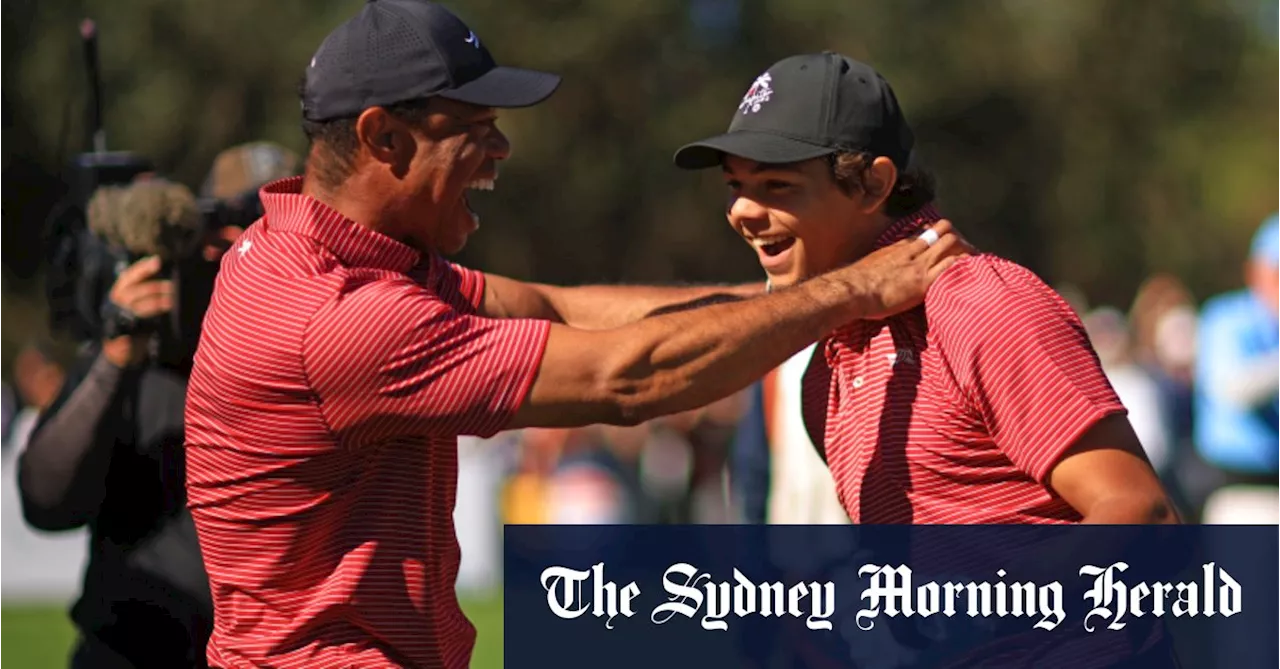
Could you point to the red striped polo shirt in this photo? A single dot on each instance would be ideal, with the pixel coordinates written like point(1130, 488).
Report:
point(956, 411)
point(335, 370)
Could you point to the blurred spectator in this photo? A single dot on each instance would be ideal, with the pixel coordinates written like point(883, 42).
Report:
point(524, 495)
point(1164, 323)
point(666, 468)
point(1237, 395)
point(670, 470)
point(248, 167)
point(709, 432)
point(1159, 299)
point(626, 448)
point(476, 514)
point(750, 458)
point(37, 564)
point(584, 487)
point(1175, 343)
point(1137, 390)
point(37, 378)
point(781, 479)
point(781, 476)
point(597, 481)
point(108, 456)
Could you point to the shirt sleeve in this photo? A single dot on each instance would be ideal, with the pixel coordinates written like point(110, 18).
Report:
point(459, 286)
point(392, 358)
point(62, 473)
point(1023, 359)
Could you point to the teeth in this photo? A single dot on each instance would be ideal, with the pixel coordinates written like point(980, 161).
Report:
point(761, 242)
point(481, 184)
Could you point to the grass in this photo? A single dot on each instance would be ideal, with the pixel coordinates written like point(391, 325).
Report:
point(41, 636)
point(486, 615)
point(36, 636)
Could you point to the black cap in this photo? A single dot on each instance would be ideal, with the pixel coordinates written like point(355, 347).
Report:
point(401, 50)
point(809, 106)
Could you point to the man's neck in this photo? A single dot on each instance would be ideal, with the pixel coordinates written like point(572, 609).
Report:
point(878, 225)
point(869, 232)
point(873, 231)
point(356, 209)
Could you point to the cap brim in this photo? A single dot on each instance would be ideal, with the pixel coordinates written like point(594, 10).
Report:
point(761, 147)
point(506, 87)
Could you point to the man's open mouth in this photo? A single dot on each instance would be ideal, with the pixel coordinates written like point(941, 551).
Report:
point(773, 246)
point(476, 184)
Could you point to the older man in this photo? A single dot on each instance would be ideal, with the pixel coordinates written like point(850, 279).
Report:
point(343, 356)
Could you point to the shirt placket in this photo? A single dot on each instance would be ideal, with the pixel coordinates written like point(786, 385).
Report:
point(849, 369)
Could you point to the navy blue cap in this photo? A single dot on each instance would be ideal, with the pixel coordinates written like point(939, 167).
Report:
point(402, 50)
point(808, 106)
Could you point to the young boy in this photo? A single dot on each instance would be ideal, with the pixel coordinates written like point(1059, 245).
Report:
point(985, 405)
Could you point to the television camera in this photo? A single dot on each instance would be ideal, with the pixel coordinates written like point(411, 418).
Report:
point(115, 211)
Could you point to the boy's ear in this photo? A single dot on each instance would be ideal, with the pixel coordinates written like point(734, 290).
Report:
point(878, 181)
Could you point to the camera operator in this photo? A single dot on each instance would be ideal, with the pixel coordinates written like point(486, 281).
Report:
point(108, 452)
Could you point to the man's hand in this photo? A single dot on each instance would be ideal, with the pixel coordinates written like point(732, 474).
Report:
point(682, 360)
point(897, 277)
point(136, 292)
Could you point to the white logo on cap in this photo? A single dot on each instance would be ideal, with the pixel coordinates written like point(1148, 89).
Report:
point(472, 39)
point(758, 94)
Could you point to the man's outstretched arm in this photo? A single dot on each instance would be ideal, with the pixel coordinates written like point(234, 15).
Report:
point(688, 359)
point(422, 367)
point(599, 307)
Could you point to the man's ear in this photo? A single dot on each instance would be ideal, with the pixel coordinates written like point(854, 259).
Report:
point(385, 138)
point(877, 183)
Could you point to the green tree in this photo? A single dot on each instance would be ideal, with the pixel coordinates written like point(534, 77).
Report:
point(1093, 141)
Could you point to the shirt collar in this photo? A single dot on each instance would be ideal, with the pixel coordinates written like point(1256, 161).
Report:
point(902, 228)
point(286, 209)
